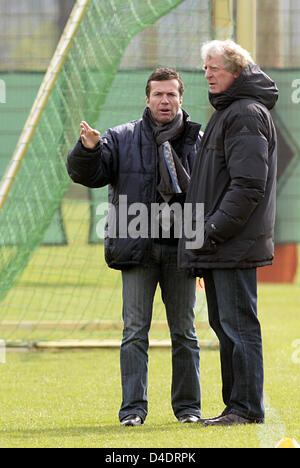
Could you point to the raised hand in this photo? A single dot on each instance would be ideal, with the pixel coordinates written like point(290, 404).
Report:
point(89, 136)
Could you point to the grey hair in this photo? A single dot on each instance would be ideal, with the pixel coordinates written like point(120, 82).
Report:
point(235, 57)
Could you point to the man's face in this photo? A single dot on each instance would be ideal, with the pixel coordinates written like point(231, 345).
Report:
point(217, 77)
point(164, 100)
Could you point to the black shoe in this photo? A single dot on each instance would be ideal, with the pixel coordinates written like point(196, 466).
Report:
point(230, 419)
point(202, 421)
point(132, 420)
point(189, 418)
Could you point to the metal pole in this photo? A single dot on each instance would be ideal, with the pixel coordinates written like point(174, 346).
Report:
point(223, 19)
point(247, 25)
point(43, 95)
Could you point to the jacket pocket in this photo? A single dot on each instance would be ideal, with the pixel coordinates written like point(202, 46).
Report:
point(208, 247)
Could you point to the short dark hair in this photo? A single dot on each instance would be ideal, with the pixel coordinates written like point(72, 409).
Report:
point(164, 74)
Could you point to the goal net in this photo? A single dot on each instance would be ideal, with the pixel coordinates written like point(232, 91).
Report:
point(54, 283)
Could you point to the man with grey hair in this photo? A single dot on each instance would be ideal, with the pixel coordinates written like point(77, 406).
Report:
point(235, 178)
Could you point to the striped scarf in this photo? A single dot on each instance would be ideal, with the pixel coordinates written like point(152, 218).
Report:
point(173, 176)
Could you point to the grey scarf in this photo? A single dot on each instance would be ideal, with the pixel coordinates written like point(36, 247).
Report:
point(173, 176)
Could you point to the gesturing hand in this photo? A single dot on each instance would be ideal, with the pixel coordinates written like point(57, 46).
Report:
point(89, 136)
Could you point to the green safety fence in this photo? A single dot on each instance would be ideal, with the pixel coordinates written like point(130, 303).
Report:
point(53, 278)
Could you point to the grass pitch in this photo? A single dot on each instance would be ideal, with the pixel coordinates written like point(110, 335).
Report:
point(71, 399)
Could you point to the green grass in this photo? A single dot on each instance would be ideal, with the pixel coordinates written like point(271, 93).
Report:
point(71, 399)
point(68, 283)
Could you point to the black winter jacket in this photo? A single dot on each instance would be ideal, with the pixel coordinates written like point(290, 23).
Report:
point(235, 178)
point(126, 160)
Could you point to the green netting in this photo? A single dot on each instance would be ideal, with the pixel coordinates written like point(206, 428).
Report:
point(56, 292)
point(80, 92)
point(54, 282)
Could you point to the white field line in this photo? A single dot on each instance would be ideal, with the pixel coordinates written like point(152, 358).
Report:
point(273, 430)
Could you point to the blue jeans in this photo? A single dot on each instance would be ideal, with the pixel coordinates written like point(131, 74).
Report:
point(232, 309)
point(178, 294)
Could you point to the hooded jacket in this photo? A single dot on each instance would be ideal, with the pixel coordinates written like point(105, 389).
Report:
point(235, 178)
point(126, 160)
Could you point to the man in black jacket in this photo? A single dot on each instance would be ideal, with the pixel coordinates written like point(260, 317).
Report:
point(235, 178)
point(148, 163)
